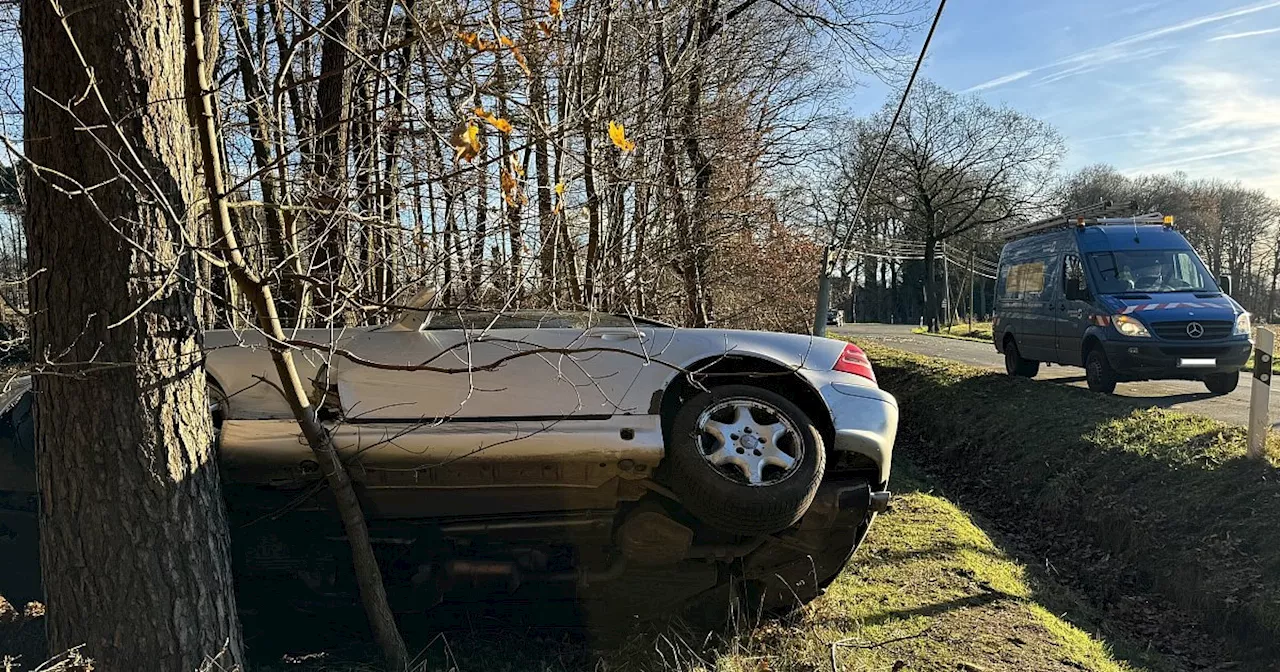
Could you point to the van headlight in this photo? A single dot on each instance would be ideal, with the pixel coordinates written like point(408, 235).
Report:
point(1244, 325)
point(1130, 326)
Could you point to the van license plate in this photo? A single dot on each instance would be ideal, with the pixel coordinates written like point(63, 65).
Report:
point(1191, 363)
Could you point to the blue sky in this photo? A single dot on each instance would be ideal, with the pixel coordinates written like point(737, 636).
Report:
point(1144, 85)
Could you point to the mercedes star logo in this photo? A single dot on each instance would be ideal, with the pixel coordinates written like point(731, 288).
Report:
point(1195, 330)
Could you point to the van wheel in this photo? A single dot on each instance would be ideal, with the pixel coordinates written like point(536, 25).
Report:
point(1098, 372)
point(1015, 365)
point(1222, 383)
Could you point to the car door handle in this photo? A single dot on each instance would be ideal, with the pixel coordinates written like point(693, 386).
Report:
point(619, 335)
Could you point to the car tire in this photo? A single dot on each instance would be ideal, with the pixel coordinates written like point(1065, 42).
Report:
point(725, 482)
point(1015, 365)
point(1222, 383)
point(1098, 372)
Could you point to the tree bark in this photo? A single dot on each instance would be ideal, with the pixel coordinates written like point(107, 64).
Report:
point(931, 303)
point(134, 541)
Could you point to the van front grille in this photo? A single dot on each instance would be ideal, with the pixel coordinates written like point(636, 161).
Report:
point(1177, 330)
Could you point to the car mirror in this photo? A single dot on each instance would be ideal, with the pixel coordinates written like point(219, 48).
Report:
point(1224, 283)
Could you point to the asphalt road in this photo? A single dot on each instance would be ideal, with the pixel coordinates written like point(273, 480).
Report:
point(1182, 395)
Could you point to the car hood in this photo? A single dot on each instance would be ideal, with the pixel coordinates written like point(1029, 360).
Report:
point(1175, 306)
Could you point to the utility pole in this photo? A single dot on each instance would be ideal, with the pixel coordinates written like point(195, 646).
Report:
point(946, 285)
point(824, 294)
point(972, 259)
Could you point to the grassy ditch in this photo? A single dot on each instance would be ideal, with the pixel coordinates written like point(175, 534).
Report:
point(1166, 501)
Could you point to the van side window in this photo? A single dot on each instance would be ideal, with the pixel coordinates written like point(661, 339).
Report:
point(1074, 284)
point(1025, 281)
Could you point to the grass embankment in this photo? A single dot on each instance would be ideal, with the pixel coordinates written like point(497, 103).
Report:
point(980, 331)
point(1166, 501)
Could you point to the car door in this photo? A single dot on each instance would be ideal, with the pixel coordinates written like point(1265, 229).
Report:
point(476, 365)
point(1029, 289)
point(1074, 310)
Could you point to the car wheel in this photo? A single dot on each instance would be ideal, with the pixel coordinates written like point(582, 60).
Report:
point(1098, 372)
point(1015, 365)
point(744, 460)
point(1222, 383)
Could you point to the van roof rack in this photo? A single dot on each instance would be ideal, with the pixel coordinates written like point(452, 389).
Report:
point(1098, 214)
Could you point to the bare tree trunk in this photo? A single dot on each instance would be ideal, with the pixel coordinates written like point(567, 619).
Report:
point(932, 306)
point(329, 163)
point(482, 219)
point(545, 185)
point(282, 240)
point(134, 540)
point(368, 575)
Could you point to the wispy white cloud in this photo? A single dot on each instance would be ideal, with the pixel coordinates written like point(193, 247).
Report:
point(1247, 33)
point(1117, 51)
point(1217, 122)
point(998, 81)
point(1196, 158)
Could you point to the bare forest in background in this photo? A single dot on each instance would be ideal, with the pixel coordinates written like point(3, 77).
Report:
point(685, 160)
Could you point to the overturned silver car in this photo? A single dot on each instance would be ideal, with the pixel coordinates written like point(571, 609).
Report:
point(532, 454)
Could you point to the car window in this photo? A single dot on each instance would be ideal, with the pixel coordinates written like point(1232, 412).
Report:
point(1074, 283)
point(475, 320)
point(1024, 281)
point(1150, 271)
point(484, 319)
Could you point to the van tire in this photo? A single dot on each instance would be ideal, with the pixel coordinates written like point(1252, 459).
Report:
point(1015, 365)
point(1222, 383)
point(1098, 372)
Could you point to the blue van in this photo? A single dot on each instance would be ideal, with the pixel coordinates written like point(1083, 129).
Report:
point(1126, 298)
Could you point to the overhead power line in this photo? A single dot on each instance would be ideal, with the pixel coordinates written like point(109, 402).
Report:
point(875, 167)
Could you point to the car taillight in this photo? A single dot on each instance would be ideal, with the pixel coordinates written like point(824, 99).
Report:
point(854, 360)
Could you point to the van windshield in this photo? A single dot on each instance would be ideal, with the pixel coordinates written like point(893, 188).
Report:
point(1151, 271)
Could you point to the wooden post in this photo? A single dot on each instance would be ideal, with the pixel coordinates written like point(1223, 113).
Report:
point(1259, 402)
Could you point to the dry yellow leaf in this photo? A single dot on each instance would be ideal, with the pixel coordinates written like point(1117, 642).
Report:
point(511, 191)
point(496, 122)
point(619, 137)
point(474, 41)
point(524, 65)
point(465, 141)
point(555, 9)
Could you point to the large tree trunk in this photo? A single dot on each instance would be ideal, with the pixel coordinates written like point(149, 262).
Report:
point(931, 303)
point(134, 541)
